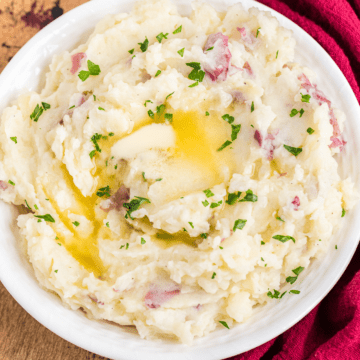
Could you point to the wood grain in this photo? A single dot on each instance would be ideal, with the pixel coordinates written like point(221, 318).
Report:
point(21, 336)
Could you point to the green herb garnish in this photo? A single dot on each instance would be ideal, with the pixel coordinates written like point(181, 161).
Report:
point(143, 241)
point(205, 203)
point(104, 191)
point(134, 205)
point(250, 196)
point(214, 205)
point(76, 223)
point(223, 323)
point(100, 108)
point(191, 224)
point(305, 98)
point(107, 225)
point(235, 130)
point(213, 275)
point(224, 145)
point(232, 198)
point(158, 73)
point(239, 224)
point(257, 31)
point(46, 217)
point(144, 45)
point(178, 30)
point(228, 118)
point(293, 150)
point(160, 109)
point(310, 130)
point(147, 101)
point(168, 117)
point(161, 36)
point(277, 53)
point(196, 73)
point(36, 113)
point(93, 70)
point(280, 219)
point(131, 51)
point(11, 183)
point(14, 139)
point(204, 235)
point(294, 291)
point(181, 52)
point(207, 113)
point(252, 107)
point(208, 193)
point(283, 238)
point(143, 175)
point(151, 114)
point(343, 212)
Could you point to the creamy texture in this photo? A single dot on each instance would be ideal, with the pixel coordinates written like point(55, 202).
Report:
point(182, 181)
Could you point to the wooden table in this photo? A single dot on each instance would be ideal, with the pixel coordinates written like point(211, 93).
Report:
point(21, 336)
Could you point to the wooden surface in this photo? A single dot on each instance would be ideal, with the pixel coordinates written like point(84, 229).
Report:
point(21, 336)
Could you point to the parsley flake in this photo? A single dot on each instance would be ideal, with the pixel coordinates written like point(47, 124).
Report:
point(283, 238)
point(250, 196)
point(168, 117)
point(224, 145)
point(35, 206)
point(158, 73)
point(235, 129)
point(293, 112)
point(204, 235)
point(160, 109)
point(134, 205)
point(191, 224)
point(178, 30)
point(93, 70)
point(144, 45)
point(196, 73)
point(228, 118)
point(143, 241)
point(207, 113)
point(294, 291)
point(71, 107)
point(147, 101)
point(205, 203)
point(143, 175)
point(214, 205)
point(111, 134)
point(107, 225)
point(213, 275)
point(210, 48)
point(194, 84)
point(310, 130)
point(257, 31)
point(232, 198)
point(239, 224)
point(221, 248)
point(36, 113)
point(305, 98)
point(104, 191)
point(100, 108)
point(14, 139)
point(181, 52)
point(158, 179)
point(131, 51)
point(273, 296)
point(56, 271)
point(27, 205)
point(92, 154)
point(223, 323)
point(293, 150)
point(76, 223)
point(169, 95)
point(343, 212)
point(301, 112)
point(208, 193)
point(161, 36)
point(280, 219)
point(277, 53)
point(151, 114)
point(46, 217)
point(127, 246)
point(252, 107)
point(11, 183)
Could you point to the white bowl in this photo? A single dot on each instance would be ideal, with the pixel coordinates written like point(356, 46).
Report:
point(26, 71)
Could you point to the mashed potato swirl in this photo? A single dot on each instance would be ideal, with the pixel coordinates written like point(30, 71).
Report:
point(175, 171)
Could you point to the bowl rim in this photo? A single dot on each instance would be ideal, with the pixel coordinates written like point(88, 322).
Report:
point(66, 331)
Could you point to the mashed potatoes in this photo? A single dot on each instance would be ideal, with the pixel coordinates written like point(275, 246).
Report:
point(176, 171)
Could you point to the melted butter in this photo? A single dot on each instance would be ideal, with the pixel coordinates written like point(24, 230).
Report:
point(197, 139)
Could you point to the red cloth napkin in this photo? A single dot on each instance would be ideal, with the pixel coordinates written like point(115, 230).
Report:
point(332, 330)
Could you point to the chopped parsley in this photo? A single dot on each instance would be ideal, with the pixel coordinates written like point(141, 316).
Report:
point(310, 130)
point(93, 70)
point(196, 73)
point(214, 205)
point(191, 224)
point(239, 224)
point(147, 101)
point(207, 113)
point(27, 205)
point(221, 248)
point(178, 30)
point(194, 84)
point(143, 175)
point(305, 98)
point(159, 179)
point(293, 150)
point(134, 205)
point(111, 134)
point(252, 107)
point(161, 36)
point(295, 112)
point(184, 229)
point(158, 73)
point(224, 145)
point(210, 48)
point(250, 196)
point(143, 241)
point(228, 118)
point(76, 223)
point(208, 193)
point(36, 113)
point(35, 206)
point(104, 191)
point(14, 139)
point(160, 109)
point(235, 130)
point(205, 203)
point(11, 183)
point(204, 235)
point(223, 323)
point(92, 154)
point(262, 243)
point(127, 246)
point(273, 296)
point(277, 53)
point(131, 51)
point(151, 114)
point(169, 95)
point(181, 52)
point(168, 117)
point(213, 275)
point(280, 219)
point(297, 271)
point(59, 244)
point(343, 212)
point(301, 112)
point(56, 271)
point(94, 97)
point(100, 108)
point(45, 105)
point(232, 198)
point(144, 45)
point(283, 238)
point(294, 291)
point(107, 225)
point(46, 217)
point(257, 31)
point(335, 247)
